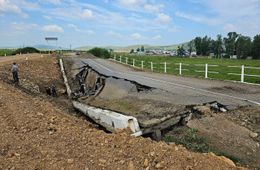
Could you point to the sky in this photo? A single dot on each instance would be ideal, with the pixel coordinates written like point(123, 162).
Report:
point(123, 22)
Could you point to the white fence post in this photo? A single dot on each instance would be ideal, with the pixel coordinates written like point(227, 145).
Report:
point(180, 68)
point(242, 73)
point(5, 54)
point(115, 57)
point(120, 59)
point(142, 64)
point(165, 67)
point(206, 71)
point(126, 61)
point(151, 66)
point(133, 62)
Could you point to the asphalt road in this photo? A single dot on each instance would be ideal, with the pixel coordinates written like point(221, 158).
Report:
point(184, 90)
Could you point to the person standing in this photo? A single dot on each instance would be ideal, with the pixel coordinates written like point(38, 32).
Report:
point(15, 73)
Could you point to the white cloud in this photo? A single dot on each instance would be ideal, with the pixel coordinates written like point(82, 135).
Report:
point(53, 28)
point(73, 27)
point(157, 37)
point(136, 36)
point(47, 17)
point(163, 18)
point(132, 3)
point(199, 19)
point(21, 27)
point(89, 32)
point(153, 7)
point(141, 6)
point(230, 15)
point(55, 2)
point(7, 7)
point(230, 27)
point(114, 34)
point(234, 8)
point(87, 14)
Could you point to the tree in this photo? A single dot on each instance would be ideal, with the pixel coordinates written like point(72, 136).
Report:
point(138, 49)
point(256, 47)
point(230, 43)
point(132, 51)
point(197, 43)
point(190, 46)
point(180, 51)
point(205, 46)
point(243, 47)
point(26, 50)
point(142, 49)
point(100, 52)
point(218, 46)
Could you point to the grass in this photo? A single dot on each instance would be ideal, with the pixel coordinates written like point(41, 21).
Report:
point(195, 67)
point(189, 138)
point(7, 52)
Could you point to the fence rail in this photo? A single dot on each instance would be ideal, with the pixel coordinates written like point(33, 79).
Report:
point(206, 69)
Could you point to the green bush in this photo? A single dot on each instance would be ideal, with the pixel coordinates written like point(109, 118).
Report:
point(100, 52)
point(26, 50)
point(7, 52)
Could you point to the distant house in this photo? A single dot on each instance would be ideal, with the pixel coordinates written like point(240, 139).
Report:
point(233, 57)
point(193, 53)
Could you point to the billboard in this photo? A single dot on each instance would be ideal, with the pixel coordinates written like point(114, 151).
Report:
point(51, 38)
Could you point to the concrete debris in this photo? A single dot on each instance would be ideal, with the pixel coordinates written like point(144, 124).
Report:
point(209, 108)
point(253, 135)
point(131, 166)
point(146, 163)
point(217, 107)
point(70, 161)
point(159, 165)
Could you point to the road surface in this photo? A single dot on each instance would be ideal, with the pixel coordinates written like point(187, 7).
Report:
point(184, 89)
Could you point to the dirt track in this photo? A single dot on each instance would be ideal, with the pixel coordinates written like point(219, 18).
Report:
point(37, 134)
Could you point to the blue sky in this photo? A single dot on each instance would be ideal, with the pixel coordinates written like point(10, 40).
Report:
point(123, 22)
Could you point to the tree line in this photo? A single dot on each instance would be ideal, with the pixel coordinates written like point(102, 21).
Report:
point(233, 44)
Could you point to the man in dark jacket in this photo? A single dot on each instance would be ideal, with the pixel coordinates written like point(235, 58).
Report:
point(15, 73)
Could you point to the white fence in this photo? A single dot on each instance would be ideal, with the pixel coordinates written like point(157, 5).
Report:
point(201, 68)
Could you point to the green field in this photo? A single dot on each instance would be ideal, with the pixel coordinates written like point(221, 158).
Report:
point(218, 68)
point(5, 51)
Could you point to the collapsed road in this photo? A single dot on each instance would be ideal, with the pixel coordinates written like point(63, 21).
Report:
point(187, 91)
point(142, 101)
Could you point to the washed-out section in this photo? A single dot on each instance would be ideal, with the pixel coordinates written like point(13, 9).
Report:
point(125, 97)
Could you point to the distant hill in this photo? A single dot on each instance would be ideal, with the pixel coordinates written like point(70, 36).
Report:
point(128, 48)
point(48, 47)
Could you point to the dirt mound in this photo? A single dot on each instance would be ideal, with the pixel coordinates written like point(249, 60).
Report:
point(228, 137)
point(36, 72)
point(36, 135)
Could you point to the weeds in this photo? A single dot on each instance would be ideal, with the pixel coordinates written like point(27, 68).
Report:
point(189, 138)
